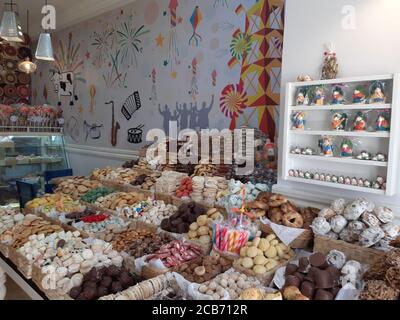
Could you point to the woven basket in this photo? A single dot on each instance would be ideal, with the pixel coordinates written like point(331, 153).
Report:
point(265, 279)
point(164, 197)
point(37, 277)
point(4, 249)
point(149, 272)
point(303, 241)
point(22, 264)
point(12, 255)
point(352, 251)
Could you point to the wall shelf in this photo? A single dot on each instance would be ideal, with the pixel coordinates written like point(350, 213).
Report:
point(343, 107)
point(339, 160)
point(341, 133)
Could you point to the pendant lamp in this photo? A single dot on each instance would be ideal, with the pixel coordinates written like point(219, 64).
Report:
point(27, 65)
point(10, 29)
point(44, 50)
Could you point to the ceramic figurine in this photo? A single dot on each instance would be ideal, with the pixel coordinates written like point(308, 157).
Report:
point(301, 174)
point(301, 98)
point(360, 94)
point(308, 152)
point(347, 180)
point(360, 121)
point(337, 95)
point(364, 155)
point(341, 179)
point(380, 180)
point(298, 120)
point(316, 176)
point(322, 177)
point(361, 182)
point(326, 146)
point(346, 148)
point(377, 92)
point(380, 157)
point(367, 183)
point(296, 173)
point(354, 181)
point(317, 96)
point(291, 173)
point(308, 175)
point(296, 150)
point(335, 179)
point(328, 178)
point(339, 121)
point(376, 185)
point(383, 122)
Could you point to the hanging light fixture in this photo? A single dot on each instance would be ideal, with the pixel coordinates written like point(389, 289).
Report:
point(27, 65)
point(10, 29)
point(44, 50)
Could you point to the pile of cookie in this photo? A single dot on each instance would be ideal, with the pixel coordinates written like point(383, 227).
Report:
point(146, 181)
point(100, 282)
point(204, 269)
point(204, 170)
point(382, 280)
point(9, 218)
point(117, 175)
point(208, 189)
point(201, 230)
point(157, 212)
point(119, 200)
point(31, 225)
point(169, 182)
point(56, 203)
point(282, 211)
point(359, 222)
point(77, 187)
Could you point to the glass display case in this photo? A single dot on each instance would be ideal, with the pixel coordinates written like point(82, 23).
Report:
point(28, 156)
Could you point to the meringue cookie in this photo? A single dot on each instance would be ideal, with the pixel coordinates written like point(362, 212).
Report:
point(352, 266)
point(370, 219)
point(385, 215)
point(77, 279)
point(320, 226)
point(338, 223)
point(354, 210)
point(371, 236)
point(338, 206)
point(87, 254)
point(391, 230)
point(65, 285)
point(74, 268)
point(336, 258)
point(326, 213)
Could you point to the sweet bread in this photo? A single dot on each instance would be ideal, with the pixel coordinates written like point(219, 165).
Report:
point(277, 200)
point(293, 220)
point(264, 197)
point(277, 217)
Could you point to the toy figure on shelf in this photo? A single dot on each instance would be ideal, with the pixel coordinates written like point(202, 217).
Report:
point(346, 148)
point(302, 98)
point(326, 145)
point(338, 96)
point(360, 94)
point(360, 121)
point(377, 92)
point(364, 155)
point(383, 122)
point(298, 120)
point(339, 121)
point(317, 96)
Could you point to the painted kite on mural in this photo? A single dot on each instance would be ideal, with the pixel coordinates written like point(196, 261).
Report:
point(195, 21)
point(68, 70)
point(259, 51)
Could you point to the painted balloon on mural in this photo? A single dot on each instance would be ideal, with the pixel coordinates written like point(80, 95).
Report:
point(151, 12)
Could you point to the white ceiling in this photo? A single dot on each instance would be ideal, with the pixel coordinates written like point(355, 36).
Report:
point(69, 12)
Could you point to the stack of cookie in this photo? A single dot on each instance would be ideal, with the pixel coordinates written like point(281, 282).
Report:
point(207, 189)
point(169, 182)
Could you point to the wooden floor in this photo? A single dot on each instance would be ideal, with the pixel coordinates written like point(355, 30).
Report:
point(14, 292)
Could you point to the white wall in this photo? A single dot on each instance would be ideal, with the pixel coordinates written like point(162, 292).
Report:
point(373, 47)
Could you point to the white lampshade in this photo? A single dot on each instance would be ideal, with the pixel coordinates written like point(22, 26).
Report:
point(27, 66)
point(9, 30)
point(44, 50)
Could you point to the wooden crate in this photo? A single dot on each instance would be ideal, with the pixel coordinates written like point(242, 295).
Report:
point(303, 241)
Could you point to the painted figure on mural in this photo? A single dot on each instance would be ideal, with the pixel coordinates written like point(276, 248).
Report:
point(184, 114)
point(203, 121)
point(167, 117)
point(193, 116)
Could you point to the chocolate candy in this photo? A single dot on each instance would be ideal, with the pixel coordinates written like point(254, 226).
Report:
point(300, 276)
point(323, 295)
point(292, 281)
point(186, 215)
point(290, 269)
point(303, 265)
point(324, 280)
point(318, 260)
point(308, 289)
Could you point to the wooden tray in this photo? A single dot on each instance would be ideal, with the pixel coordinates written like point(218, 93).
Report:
point(303, 241)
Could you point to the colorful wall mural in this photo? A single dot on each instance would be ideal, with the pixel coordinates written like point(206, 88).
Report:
point(206, 64)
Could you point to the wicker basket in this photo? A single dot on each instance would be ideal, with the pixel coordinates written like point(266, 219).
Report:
point(22, 264)
point(303, 241)
point(12, 255)
point(265, 279)
point(352, 251)
point(168, 199)
point(5, 250)
point(149, 272)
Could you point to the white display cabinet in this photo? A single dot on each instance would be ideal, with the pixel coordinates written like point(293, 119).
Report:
point(318, 124)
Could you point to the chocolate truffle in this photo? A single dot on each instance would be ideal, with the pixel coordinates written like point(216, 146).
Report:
point(323, 295)
point(61, 243)
point(102, 291)
point(318, 260)
point(89, 284)
point(303, 265)
point(300, 276)
point(323, 280)
point(308, 289)
point(75, 292)
point(90, 293)
point(334, 291)
point(290, 269)
point(106, 282)
point(116, 287)
point(292, 281)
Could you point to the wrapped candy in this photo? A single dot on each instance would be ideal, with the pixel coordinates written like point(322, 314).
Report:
point(377, 92)
point(346, 148)
point(360, 94)
point(383, 122)
point(298, 120)
point(337, 95)
point(360, 121)
point(301, 98)
point(339, 121)
point(326, 145)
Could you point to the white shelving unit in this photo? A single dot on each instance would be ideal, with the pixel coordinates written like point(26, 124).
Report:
point(318, 120)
